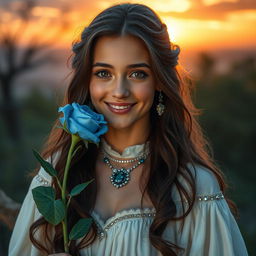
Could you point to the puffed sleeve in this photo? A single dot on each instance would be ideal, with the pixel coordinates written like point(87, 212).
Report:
point(210, 228)
point(20, 244)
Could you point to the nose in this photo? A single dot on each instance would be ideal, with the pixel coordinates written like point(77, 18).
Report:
point(120, 88)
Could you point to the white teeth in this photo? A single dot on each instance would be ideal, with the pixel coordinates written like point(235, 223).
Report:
point(119, 107)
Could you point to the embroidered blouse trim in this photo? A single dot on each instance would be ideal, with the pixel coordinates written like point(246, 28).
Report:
point(146, 213)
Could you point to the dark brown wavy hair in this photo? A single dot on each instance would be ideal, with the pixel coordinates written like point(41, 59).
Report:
point(177, 137)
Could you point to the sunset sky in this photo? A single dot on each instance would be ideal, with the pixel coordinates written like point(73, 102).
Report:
point(193, 24)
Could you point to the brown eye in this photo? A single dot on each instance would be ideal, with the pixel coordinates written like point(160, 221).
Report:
point(139, 75)
point(102, 74)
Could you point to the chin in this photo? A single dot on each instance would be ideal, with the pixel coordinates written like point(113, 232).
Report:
point(119, 126)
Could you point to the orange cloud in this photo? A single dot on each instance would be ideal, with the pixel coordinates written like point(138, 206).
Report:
point(218, 11)
point(192, 24)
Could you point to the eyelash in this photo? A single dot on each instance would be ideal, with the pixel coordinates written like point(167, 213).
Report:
point(105, 77)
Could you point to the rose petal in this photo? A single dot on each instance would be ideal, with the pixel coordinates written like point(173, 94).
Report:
point(103, 130)
point(86, 121)
point(74, 126)
point(86, 135)
point(83, 121)
point(84, 110)
point(67, 111)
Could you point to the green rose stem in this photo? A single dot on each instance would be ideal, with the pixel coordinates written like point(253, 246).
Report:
point(74, 140)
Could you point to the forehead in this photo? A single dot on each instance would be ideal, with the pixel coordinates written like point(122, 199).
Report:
point(120, 49)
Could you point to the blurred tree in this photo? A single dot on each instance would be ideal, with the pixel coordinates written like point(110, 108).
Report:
point(8, 210)
point(229, 122)
point(20, 53)
point(206, 65)
point(17, 61)
point(38, 114)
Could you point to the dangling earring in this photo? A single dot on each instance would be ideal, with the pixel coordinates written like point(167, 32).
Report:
point(160, 106)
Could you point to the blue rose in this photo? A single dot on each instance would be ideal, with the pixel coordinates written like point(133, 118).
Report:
point(84, 122)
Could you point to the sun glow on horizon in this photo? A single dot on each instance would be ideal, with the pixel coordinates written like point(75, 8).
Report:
point(49, 12)
point(237, 30)
point(173, 28)
point(169, 5)
point(211, 2)
point(197, 34)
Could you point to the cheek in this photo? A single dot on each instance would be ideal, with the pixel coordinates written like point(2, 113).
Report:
point(146, 93)
point(96, 91)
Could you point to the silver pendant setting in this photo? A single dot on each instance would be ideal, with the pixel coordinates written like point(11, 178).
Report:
point(120, 177)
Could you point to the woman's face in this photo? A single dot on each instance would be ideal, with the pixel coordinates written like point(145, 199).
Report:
point(122, 85)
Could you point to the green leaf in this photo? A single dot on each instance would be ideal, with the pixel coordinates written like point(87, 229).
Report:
point(52, 210)
point(46, 165)
point(79, 188)
point(80, 229)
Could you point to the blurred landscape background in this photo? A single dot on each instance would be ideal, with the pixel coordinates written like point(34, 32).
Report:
point(218, 50)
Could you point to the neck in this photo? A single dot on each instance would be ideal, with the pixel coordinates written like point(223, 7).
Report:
point(121, 139)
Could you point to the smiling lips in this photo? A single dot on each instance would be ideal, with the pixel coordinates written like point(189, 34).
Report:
point(119, 108)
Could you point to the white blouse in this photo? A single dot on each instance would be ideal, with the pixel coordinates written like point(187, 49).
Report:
point(209, 230)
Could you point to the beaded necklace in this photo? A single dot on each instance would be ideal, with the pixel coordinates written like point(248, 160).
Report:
point(121, 176)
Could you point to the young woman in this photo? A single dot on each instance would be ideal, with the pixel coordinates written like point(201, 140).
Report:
point(126, 68)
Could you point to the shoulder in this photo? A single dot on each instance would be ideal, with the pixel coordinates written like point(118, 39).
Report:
point(205, 180)
point(206, 183)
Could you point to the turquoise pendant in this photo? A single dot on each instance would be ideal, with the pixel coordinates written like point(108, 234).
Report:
point(120, 177)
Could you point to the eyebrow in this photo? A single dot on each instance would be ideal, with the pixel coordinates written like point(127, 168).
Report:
point(136, 65)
